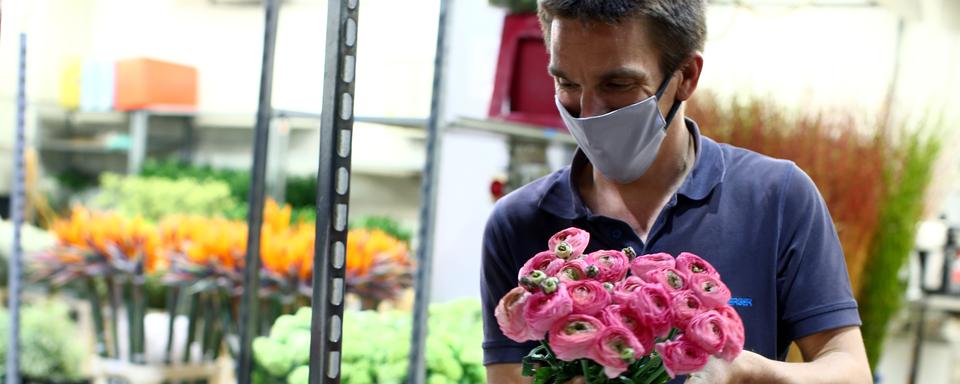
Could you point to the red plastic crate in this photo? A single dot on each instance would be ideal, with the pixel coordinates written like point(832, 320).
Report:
point(523, 90)
point(147, 83)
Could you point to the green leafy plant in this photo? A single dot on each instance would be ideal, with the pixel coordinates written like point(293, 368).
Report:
point(237, 181)
point(376, 346)
point(906, 179)
point(384, 223)
point(300, 191)
point(154, 198)
point(48, 347)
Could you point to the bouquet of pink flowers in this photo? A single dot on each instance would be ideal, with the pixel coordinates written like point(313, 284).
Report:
point(636, 319)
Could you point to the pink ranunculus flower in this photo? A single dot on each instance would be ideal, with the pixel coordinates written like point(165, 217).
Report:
point(681, 357)
point(613, 265)
point(645, 263)
point(712, 292)
point(708, 330)
point(689, 264)
point(589, 297)
point(572, 337)
point(624, 290)
point(509, 314)
point(616, 348)
point(670, 278)
point(652, 305)
point(545, 261)
point(686, 305)
point(542, 309)
point(573, 270)
point(621, 316)
point(735, 335)
point(569, 243)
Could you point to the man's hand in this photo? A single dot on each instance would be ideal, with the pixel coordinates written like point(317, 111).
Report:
point(835, 356)
point(719, 371)
point(506, 374)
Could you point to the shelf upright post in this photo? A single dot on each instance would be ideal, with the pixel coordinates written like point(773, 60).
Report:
point(333, 191)
point(428, 197)
point(16, 212)
point(249, 305)
point(138, 141)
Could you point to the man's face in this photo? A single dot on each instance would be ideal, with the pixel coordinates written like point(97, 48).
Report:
point(599, 68)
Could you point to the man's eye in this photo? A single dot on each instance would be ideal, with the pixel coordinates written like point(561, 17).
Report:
point(565, 84)
point(619, 85)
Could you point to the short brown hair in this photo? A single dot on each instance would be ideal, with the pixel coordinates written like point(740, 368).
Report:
point(678, 27)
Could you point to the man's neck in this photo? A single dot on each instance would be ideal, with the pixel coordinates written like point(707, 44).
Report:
point(639, 203)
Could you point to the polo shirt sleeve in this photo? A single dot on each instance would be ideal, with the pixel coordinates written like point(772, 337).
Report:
point(813, 288)
point(498, 275)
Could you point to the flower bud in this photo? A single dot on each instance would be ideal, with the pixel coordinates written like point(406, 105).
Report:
point(537, 276)
point(592, 271)
point(608, 286)
point(527, 284)
point(675, 281)
point(550, 285)
point(563, 250)
point(629, 252)
point(627, 354)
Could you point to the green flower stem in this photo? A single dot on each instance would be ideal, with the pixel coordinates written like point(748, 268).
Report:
point(226, 317)
point(191, 325)
point(131, 316)
point(205, 301)
point(219, 330)
point(586, 370)
point(658, 376)
point(97, 310)
point(208, 324)
point(113, 293)
point(140, 309)
point(173, 298)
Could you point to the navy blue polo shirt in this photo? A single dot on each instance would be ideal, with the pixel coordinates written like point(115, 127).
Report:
point(760, 221)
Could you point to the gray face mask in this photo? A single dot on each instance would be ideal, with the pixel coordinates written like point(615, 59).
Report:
point(622, 144)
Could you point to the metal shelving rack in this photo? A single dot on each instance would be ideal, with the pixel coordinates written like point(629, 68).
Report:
point(138, 129)
point(336, 127)
point(333, 191)
point(14, 277)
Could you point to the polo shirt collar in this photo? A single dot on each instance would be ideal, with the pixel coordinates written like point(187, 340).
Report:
point(563, 200)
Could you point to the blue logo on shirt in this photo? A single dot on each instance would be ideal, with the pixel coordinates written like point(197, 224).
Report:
point(741, 302)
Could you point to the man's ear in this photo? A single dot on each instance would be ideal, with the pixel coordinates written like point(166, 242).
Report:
point(690, 76)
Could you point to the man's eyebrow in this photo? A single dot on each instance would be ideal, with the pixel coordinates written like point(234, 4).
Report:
point(614, 74)
point(624, 72)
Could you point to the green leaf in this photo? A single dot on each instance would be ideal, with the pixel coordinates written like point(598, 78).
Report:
point(543, 374)
point(528, 367)
point(656, 377)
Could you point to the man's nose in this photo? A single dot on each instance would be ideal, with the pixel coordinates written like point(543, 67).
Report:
point(592, 105)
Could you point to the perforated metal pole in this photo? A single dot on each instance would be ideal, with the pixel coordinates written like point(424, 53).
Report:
point(16, 213)
point(333, 191)
point(428, 202)
point(249, 306)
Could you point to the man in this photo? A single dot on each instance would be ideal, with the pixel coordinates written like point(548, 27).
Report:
point(644, 177)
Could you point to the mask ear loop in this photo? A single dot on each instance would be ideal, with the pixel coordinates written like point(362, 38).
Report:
point(676, 104)
point(663, 87)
